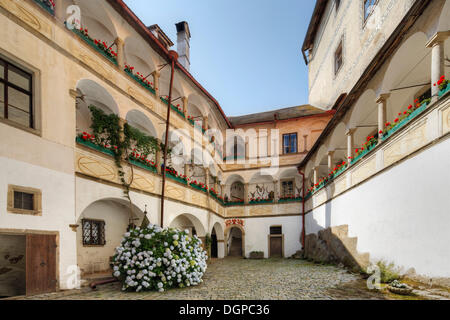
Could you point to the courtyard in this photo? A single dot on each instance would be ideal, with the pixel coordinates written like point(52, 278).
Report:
point(243, 279)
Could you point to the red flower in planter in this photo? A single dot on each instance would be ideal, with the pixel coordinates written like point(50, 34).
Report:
point(410, 107)
point(396, 120)
point(380, 132)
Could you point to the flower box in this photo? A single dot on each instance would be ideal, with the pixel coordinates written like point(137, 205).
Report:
point(257, 255)
point(402, 123)
point(363, 153)
point(285, 200)
point(198, 187)
point(143, 165)
point(444, 91)
point(99, 47)
point(47, 5)
point(94, 146)
point(173, 108)
point(140, 81)
point(234, 203)
point(265, 201)
point(175, 178)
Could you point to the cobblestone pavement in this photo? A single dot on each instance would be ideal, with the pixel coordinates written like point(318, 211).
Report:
point(232, 279)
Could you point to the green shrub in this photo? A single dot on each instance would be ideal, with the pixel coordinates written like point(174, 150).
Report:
point(388, 272)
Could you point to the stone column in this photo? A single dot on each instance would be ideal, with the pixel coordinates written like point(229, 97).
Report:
point(437, 60)
point(156, 75)
point(186, 169)
point(120, 53)
point(246, 190)
point(222, 190)
point(382, 109)
point(205, 122)
point(276, 193)
point(207, 178)
point(158, 161)
point(185, 105)
point(316, 175)
point(330, 161)
point(349, 135)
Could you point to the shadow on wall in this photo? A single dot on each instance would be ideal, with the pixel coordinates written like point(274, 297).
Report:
point(332, 245)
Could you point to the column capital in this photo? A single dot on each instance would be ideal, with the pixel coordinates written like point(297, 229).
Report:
point(383, 97)
point(438, 38)
point(156, 73)
point(118, 41)
point(330, 153)
point(350, 132)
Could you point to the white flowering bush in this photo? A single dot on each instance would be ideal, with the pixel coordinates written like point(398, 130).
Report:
point(155, 258)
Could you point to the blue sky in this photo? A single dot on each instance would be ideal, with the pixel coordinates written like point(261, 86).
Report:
point(246, 53)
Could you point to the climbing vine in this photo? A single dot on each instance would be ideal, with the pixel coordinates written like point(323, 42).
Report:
point(125, 142)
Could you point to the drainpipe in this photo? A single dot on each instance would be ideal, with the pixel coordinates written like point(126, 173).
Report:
point(303, 209)
point(173, 57)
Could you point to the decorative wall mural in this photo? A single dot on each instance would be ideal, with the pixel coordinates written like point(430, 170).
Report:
point(232, 222)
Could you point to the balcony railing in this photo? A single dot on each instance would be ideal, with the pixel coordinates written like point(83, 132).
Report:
point(387, 135)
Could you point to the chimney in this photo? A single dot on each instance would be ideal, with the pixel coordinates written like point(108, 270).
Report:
point(183, 46)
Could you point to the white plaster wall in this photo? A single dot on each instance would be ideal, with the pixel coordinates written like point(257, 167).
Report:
point(258, 229)
point(92, 259)
point(57, 207)
point(401, 216)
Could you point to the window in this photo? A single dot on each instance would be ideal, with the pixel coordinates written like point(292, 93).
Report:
point(93, 232)
point(338, 58)
point(369, 5)
point(290, 143)
point(16, 94)
point(23, 200)
point(276, 230)
point(287, 188)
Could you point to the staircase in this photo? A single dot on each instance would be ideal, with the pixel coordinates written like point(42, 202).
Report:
point(333, 245)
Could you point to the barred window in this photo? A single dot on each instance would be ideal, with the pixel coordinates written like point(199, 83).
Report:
point(23, 200)
point(93, 232)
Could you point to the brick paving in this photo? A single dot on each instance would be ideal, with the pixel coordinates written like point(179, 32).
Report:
point(235, 279)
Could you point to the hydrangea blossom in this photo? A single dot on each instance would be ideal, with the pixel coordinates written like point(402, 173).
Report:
point(157, 259)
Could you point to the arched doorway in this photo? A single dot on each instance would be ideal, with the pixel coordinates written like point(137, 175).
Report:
point(214, 245)
point(235, 241)
point(190, 223)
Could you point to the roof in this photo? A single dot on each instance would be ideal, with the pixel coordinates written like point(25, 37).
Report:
point(280, 114)
point(314, 24)
point(129, 16)
point(161, 34)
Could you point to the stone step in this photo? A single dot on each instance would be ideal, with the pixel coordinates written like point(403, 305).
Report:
point(340, 231)
point(363, 260)
point(350, 244)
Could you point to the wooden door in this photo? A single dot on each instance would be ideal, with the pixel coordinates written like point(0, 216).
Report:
point(276, 247)
point(41, 264)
